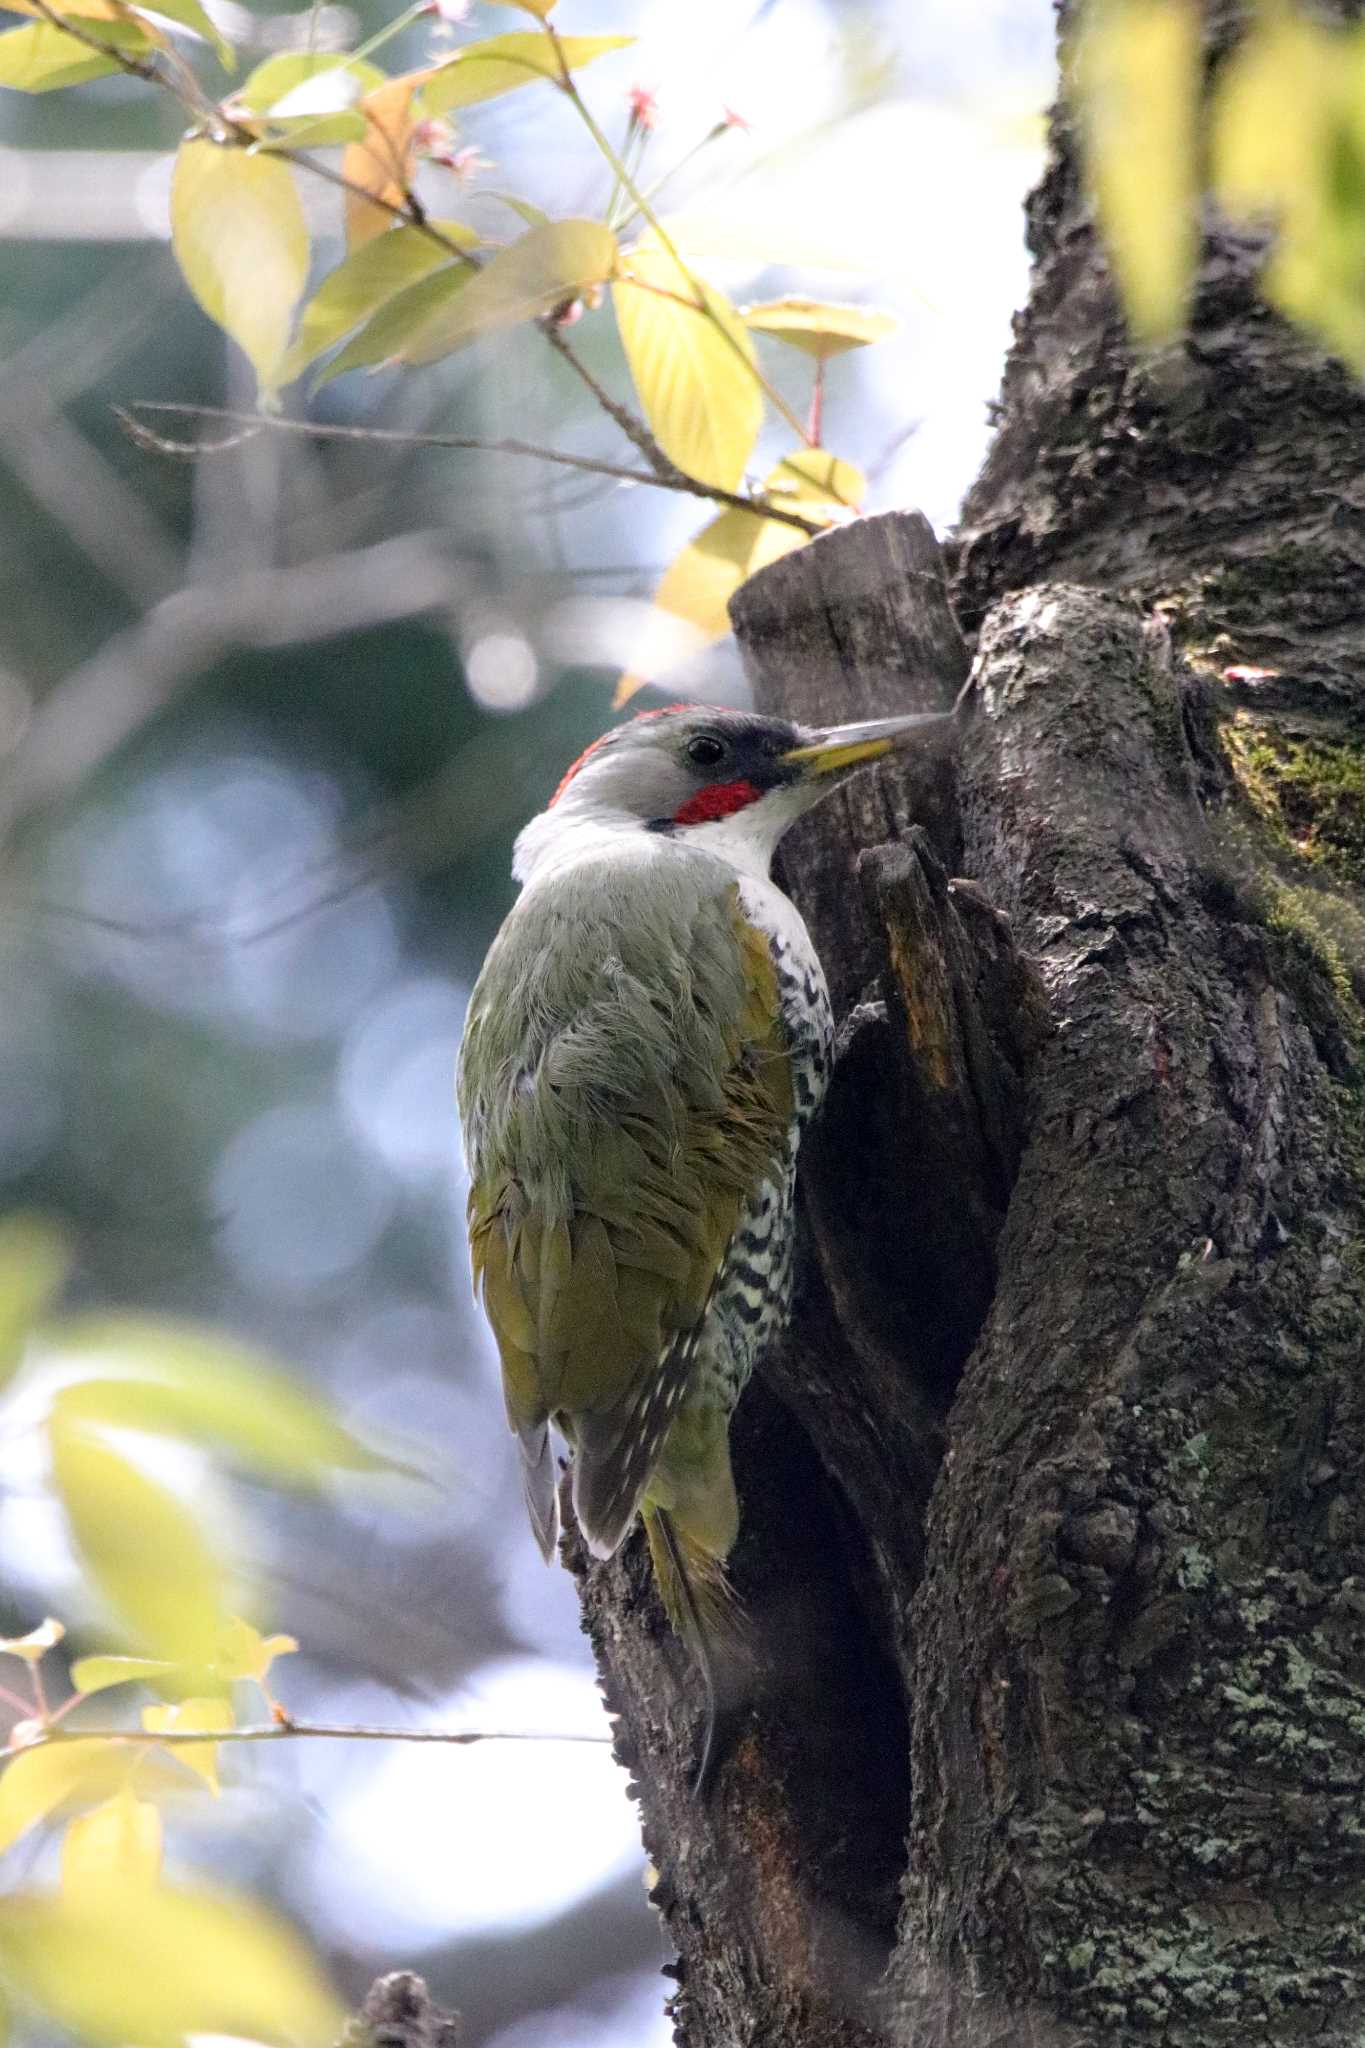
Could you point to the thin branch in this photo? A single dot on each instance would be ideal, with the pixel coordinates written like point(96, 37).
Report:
point(662, 471)
point(678, 480)
point(136, 67)
point(636, 432)
point(287, 1731)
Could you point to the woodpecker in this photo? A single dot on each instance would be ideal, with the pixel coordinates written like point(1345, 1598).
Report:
point(648, 1040)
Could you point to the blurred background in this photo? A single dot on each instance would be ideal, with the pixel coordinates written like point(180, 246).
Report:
point(269, 722)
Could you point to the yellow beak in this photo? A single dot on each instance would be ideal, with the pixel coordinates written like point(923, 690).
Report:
point(844, 746)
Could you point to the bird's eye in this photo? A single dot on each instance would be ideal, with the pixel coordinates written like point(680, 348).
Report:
point(705, 750)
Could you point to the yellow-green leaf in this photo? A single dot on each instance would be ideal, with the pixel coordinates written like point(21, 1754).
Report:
point(88, 11)
point(33, 1260)
point(243, 1652)
point(484, 70)
point(191, 15)
point(699, 583)
point(186, 1717)
point(820, 329)
point(386, 336)
point(540, 8)
point(152, 1966)
point(145, 1552)
point(187, 13)
point(1135, 80)
point(41, 58)
point(240, 238)
point(313, 95)
point(167, 1377)
point(1272, 114)
point(37, 1782)
point(694, 370)
point(1288, 149)
point(336, 81)
point(34, 1646)
point(533, 216)
point(816, 481)
point(115, 1846)
point(369, 277)
point(545, 268)
point(97, 1674)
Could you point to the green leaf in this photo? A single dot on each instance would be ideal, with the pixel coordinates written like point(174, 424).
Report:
point(191, 15)
point(369, 278)
point(312, 95)
point(33, 1262)
point(167, 1377)
point(114, 1847)
point(532, 215)
point(239, 236)
point(1288, 149)
point(337, 81)
point(386, 337)
point(694, 371)
point(143, 1549)
point(97, 1674)
point(820, 329)
point(485, 70)
point(545, 268)
point(1135, 82)
point(154, 1965)
point(243, 1652)
point(699, 582)
point(41, 58)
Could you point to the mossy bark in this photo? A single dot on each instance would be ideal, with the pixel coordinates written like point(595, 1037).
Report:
point(1052, 1724)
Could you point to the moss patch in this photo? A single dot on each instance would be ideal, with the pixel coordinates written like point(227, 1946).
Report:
point(1309, 793)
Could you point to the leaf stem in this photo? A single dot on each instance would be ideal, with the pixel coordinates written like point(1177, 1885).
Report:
point(701, 302)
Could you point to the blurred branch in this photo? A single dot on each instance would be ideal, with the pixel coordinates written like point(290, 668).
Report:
point(105, 700)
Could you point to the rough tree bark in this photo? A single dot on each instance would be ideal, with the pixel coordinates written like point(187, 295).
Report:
point(1053, 1728)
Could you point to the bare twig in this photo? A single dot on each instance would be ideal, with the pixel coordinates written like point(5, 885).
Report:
point(675, 480)
point(288, 1731)
point(634, 429)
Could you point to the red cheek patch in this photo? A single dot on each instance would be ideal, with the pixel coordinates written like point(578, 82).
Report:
point(717, 800)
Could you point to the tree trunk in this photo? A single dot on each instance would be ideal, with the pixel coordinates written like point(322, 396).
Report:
point(1051, 1727)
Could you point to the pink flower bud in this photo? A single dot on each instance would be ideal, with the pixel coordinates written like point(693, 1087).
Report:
point(643, 102)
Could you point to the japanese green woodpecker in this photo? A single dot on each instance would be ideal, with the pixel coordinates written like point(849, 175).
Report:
point(648, 1040)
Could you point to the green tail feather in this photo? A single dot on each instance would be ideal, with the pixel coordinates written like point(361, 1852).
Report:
point(693, 1583)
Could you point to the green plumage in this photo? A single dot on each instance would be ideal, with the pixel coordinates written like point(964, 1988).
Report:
point(625, 1087)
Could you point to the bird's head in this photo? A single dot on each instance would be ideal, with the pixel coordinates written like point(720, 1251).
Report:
point(732, 780)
